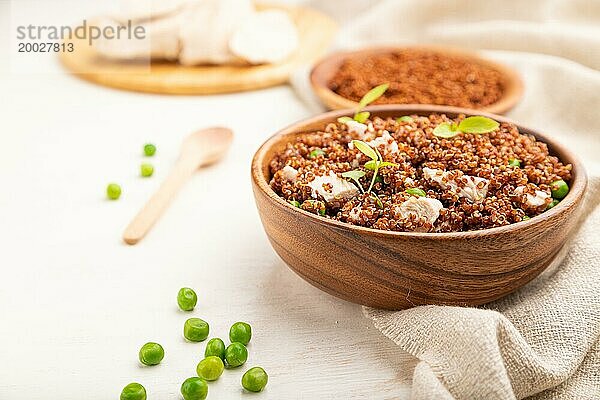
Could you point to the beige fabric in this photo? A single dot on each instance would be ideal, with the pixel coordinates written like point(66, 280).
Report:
point(544, 340)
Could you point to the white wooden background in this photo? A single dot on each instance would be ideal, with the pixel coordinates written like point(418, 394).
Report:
point(76, 304)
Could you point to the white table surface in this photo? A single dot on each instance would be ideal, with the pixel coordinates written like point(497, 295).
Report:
point(76, 303)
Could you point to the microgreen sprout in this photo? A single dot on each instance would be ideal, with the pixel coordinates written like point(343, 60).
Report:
point(416, 192)
point(372, 95)
point(405, 118)
point(374, 164)
point(295, 203)
point(476, 125)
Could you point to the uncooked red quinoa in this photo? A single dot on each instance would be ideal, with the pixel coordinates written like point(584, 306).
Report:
point(467, 182)
point(420, 77)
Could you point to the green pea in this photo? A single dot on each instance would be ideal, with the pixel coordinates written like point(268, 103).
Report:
point(513, 162)
point(149, 149)
point(316, 153)
point(210, 368)
point(151, 354)
point(133, 391)
point(236, 354)
point(195, 330)
point(416, 192)
point(194, 388)
point(552, 204)
point(146, 170)
point(559, 189)
point(255, 379)
point(186, 298)
point(113, 191)
point(294, 203)
point(215, 347)
point(240, 332)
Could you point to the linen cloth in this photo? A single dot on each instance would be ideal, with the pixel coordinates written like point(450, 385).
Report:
point(543, 341)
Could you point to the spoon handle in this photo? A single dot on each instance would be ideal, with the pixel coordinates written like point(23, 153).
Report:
point(145, 219)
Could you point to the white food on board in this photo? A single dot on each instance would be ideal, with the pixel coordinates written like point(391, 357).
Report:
point(420, 207)
point(471, 191)
point(341, 189)
point(137, 10)
point(202, 32)
point(161, 41)
point(265, 37)
point(207, 27)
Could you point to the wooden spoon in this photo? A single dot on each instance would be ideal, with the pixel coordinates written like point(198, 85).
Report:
point(199, 149)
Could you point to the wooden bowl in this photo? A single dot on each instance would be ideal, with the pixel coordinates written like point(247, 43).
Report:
point(398, 270)
point(323, 72)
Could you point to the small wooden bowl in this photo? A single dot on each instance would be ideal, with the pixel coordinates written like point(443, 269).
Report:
point(323, 72)
point(398, 270)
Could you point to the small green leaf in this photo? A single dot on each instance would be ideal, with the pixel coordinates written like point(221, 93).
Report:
point(343, 120)
point(416, 191)
point(355, 174)
point(362, 116)
point(365, 149)
point(513, 162)
point(294, 203)
point(478, 125)
point(316, 153)
point(405, 118)
point(373, 165)
point(372, 95)
point(445, 130)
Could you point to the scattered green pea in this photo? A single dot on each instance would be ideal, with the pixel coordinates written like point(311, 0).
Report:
point(255, 379)
point(146, 170)
point(195, 330)
point(151, 353)
point(149, 149)
point(552, 204)
point(215, 347)
point(186, 299)
point(240, 332)
point(194, 388)
point(236, 354)
point(416, 192)
point(559, 189)
point(210, 368)
point(316, 153)
point(294, 203)
point(113, 191)
point(133, 391)
point(513, 162)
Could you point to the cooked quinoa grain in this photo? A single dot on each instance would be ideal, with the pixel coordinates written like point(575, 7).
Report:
point(469, 180)
point(420, 77)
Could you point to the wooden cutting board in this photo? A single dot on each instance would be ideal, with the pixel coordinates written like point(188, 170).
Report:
point(315, 31)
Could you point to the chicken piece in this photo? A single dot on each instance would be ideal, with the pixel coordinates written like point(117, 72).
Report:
point(386, 142)
point(474, 188)
point(264, 37)
point(420, 207)
point(207, 27)
point(161, 41)
point(332, 188)
point(536, 200)
point(290, 174)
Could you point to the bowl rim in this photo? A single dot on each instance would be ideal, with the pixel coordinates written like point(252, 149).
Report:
point(576, 190)
point(506, 102)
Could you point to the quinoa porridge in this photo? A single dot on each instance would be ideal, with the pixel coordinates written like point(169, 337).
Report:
point(420, 77)
point(421, 182)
